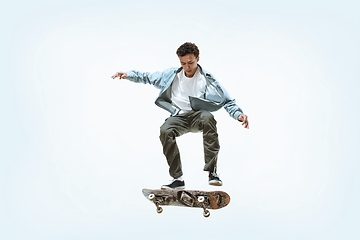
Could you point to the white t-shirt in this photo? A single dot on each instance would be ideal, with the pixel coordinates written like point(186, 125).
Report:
point(183, 87)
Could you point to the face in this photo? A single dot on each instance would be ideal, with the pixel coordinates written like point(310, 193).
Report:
point(189, 64)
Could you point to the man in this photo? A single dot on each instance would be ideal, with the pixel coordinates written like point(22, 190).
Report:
point(189, 93)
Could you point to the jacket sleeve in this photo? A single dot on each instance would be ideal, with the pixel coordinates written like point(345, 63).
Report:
point(233, 109)
point(229, 103)
point(157, 78)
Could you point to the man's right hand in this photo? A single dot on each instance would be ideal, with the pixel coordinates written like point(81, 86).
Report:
point(120, 75)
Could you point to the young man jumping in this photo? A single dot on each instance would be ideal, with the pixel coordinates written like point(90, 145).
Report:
point(189, 94)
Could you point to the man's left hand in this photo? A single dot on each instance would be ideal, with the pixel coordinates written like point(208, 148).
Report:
point(244, 119)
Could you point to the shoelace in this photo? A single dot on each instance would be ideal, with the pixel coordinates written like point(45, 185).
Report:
point(214, 174)
point(173, 180)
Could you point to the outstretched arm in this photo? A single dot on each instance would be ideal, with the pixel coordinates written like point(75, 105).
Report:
point(244, 119)
point(157, 79)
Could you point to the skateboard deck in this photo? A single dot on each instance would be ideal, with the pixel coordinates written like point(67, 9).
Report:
point(187, 198)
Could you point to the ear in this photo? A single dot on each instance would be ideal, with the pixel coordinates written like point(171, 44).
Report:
point(197, 59)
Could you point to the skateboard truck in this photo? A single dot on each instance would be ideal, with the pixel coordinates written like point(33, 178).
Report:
point(159, 209)
point(201, 200)
point(157, 203)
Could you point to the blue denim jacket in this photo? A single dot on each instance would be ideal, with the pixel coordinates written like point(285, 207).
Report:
point(215, 95)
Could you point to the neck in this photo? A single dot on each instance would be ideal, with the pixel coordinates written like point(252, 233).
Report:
point(190, 76)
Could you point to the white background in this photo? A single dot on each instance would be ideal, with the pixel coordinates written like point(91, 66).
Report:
point(77, 147)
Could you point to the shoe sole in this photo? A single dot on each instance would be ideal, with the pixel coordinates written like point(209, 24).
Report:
point(167, 188)
point(215, 183)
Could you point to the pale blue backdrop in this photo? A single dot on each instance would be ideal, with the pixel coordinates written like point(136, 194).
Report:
point(77, 147)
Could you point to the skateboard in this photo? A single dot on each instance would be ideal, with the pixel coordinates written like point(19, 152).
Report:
point(187, 198)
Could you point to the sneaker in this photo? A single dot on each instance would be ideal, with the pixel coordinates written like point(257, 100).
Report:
point(175, 184)
point(214, 179)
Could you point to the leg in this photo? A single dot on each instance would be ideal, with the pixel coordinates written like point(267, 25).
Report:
point(173, 127)
point(204, 121)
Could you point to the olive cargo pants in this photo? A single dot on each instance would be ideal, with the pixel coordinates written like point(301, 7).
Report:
point(193, 121)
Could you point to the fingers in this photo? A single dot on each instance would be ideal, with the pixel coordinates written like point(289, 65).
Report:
point(115, 75)
point(244, 119)
point(121, 75)
point(247, 125)
point(246, 122)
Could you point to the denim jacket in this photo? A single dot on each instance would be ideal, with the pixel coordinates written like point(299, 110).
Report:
point(215, 95)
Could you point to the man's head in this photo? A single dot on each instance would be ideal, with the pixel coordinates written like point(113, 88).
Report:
point(188, 54)
point(188, 48)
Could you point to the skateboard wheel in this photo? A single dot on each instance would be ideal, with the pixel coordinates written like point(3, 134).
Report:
point(151, 197)
point(206, 213)
point(201, 199)
point(159, 210)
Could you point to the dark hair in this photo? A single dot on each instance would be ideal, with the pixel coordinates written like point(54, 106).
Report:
point(187, 48)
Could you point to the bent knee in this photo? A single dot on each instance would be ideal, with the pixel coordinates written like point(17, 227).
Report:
point(167, 132)
point(207, 116)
